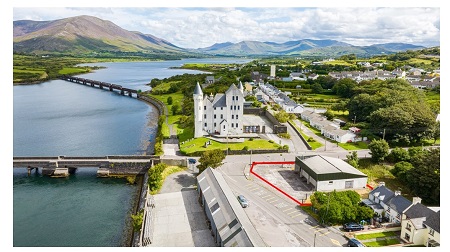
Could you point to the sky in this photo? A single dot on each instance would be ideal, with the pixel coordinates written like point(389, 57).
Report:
point(202, 25)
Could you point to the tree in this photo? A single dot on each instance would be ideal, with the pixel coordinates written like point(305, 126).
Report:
point(398, 154)
point(344, 87)
point(352, 159)
point(210, 158)
point(379, 149)
point(424, 178)
point(401, 170)
point(176, 109)
point(169, 100)
point(154, 176)
point(329, 115)
point(317, 88)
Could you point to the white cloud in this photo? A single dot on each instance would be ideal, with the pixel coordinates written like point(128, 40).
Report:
point(202, 27)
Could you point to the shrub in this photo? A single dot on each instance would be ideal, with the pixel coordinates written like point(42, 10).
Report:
point(245, 148)
point(251, 139)
point(271, 141)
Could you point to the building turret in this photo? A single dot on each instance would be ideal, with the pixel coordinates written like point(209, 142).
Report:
point(240, 87)
point(198, 111)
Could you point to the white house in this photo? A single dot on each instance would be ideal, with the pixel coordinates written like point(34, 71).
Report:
point(221, 114)
point(335, 133)
point(421, 226)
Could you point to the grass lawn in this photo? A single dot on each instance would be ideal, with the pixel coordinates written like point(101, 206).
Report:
point(374, 235)
point(382, 243)
point(197, 144)
point(354, 146)
point(164, 86)
point(176, 98)
point(73, 70)
point(338, 62)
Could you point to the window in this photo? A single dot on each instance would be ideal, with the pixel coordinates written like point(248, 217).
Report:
point(204, 107)
point(408, 226)
point(431, 232)
point(234, 107)
point(221, 108)
point(232, 125)
point(204, 116)
point(330, 182)
point(406, 236)
point(214, 124)
point(231, 107)
point(221, 116)
point(388, 210)
point(232, 116)
point(237, 97)
point(232, 98)
point(237, 116)
point(206, 125)
point(223, 126)
point(214, 108)
point(239, 107)
point(214, 116)
point(237, 125)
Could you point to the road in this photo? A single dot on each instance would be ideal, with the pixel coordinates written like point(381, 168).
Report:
point(279, 220)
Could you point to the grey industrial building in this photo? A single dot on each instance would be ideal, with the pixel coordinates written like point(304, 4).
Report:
point(228, 222)
point(328, 173)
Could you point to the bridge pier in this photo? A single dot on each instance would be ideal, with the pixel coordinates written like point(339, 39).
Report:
point(60, 173)
point(48, 171)
point(101, 86)
point(122, 92)
point(30, 169)
point(103, 172)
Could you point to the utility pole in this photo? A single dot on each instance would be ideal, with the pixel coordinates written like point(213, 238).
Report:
point(354, 120)
point(315, 234)
point(384, 132)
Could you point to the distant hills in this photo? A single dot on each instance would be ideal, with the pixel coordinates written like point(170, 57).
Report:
point(83, 34)
point(90, 35)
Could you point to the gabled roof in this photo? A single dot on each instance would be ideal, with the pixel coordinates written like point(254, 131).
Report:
point(220, 100)
point(232, 87)
point(417, 211)
point(398, 203)
point(382, 192)
point(434, 221)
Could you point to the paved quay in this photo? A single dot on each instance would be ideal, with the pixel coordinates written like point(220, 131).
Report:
point(179, 220)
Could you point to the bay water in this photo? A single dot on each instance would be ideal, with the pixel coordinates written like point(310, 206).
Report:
point(62, 118)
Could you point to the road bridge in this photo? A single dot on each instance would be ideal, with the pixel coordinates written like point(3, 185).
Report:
point(62, 166)
point(101, 85)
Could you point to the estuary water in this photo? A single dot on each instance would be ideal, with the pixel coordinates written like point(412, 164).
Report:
point(62, 118)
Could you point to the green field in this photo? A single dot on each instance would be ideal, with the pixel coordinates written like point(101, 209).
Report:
point(338, 62)
point(74, 70)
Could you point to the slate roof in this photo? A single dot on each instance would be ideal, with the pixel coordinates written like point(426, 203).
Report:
point(233, 225)
point(198, 90)
point(418, 210)
point(220, 100)
point(398, 203)
point(382, 192)
point(434, 221)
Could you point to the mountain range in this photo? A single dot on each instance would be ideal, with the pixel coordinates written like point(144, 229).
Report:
point(91, 35)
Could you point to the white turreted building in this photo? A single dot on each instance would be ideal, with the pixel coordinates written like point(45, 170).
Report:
point(221, 114)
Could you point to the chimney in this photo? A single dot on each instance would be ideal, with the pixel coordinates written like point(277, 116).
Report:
point(381, 184)
point(396, 193)
point(416, 200)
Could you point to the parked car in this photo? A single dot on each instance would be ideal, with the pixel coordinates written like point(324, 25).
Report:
point(352, 242)
point(243, 201)
point(192, 161)
point(352, 227)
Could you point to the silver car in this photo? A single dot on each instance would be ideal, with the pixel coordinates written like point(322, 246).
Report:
point(243, 201)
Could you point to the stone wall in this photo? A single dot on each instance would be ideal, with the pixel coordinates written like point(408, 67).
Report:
point(128, 168)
